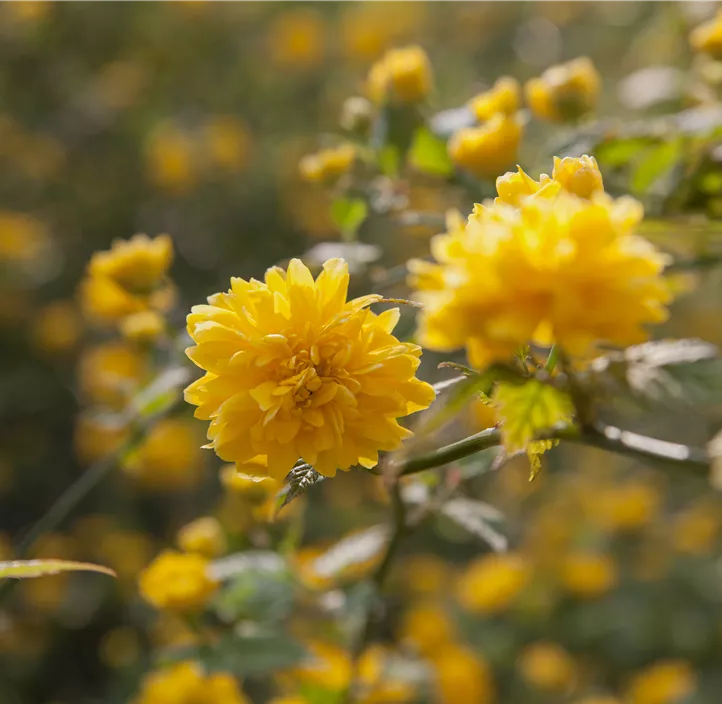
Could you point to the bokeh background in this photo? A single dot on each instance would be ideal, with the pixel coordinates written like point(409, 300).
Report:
point(189, 118)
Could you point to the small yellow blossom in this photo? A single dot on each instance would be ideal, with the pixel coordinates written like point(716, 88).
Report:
point(401, 76)
point(228, 142)
point(557, 267)
point(665, 682)
point(252, 486)
point(488, 150)
point(427, 627)
point(707, 38)
point(58, 328)
point(23, 238)
point(588, 575)
point(564, 93)
point(503, 98)
point(170, 159)
point(296, 39)
point(490, 584)
point(110, 373)
point(294, 371)
point(203, 536)
point(627, 506)
point(580, 177)
point(547, 667)
point(462, 677)
point(328, 165)
point(187, 683)
point(143, 328)
point(169, 457)
point(694, 531)
point(177, 582)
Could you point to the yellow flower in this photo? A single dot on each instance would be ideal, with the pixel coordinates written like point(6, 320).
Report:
point(177, 582)
point(664, 682)
point(143, 327)
point(627, 506)
point(328, 165)
point(427, 627)
point(503, 98)
point(695, 530)
point(228, 142)
point(169, 458)
point(547, 667)
point(129, 278)
point(488, 150)
point(186, 683)
point(22, 237)
point(203, 536)
point(296, 39)
point(170, 156)
point(111, 373)
point(588, 575)
point(514, 187)
point(707, 38)
point(58, 328)
point(401, 76)
point(138, 265)
point(294, 371)
point(251, 486)
point(491, 583)
point(556, 268)
point(578, 176)
point(564, 93)
point(462, 677)
point(95, 437)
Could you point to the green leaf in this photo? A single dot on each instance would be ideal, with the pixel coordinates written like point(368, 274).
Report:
point(390, 161)
point(254, 654)
point(348, 214)
point(475, 517)
point(525, 410)
point(655, 164)
point(621, 151)
point(162, 393)
point(298, 481)
point(428, 154)
point(25, 569)
point(353, 549)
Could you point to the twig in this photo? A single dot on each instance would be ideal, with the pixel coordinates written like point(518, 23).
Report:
point(603, 437)
point(377, 581)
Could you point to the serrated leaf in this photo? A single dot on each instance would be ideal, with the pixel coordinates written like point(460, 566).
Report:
point(354, 549)
point(298, 481)
point(348, 214)
point(525, 410)
point(474, 516)
point(428, 153)
point(26, 569)
point(249, 655)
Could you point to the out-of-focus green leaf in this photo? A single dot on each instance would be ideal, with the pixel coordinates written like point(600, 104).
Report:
point(428, 154)
point(390, 161)
point(26, 569)
point(298, 480)
point(254, 654)
point(348, 214)
point(655, 164)
point(161, 393)
point(621, 151)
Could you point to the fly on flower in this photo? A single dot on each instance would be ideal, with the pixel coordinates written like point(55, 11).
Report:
point(294, 370)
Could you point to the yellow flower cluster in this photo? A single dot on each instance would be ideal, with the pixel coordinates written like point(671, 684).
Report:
point(707, 38)
point(402, 76)
point(294, 371)
point(187, 683)
point(128, 281)
point(177, 582)
point(554, 260)
point(564, 93)
point(328, 165)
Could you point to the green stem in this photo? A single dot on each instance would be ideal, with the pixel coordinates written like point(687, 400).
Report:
point(603, 437)
point(551, 362)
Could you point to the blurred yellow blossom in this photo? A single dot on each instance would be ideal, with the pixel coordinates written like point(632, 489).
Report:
point(627, 506)
point(252, 487)
point(557, 268)
point(548, 667)
point(564, 93)
point(96, 436)
point(503, 98)
point(177, 582)
point(308, 374)
point(427, 627)
point(666, 682)
point(491, 583)
point(488, 150)
point(170, 159)
point(587, 574)
point(462, 677)
point(203, 536)
point(328, 165)
point(143, 327)
point(401, 76)
point(110, 373)
point(228, 142)
point(57, 328)
point(120, 83)
point(695, 530)
point(170, 457)
point(427, 574)
point(23, 238)
point(707, 38)
point(296, 39)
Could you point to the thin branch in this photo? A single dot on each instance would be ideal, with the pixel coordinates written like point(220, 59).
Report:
point(603, 437)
